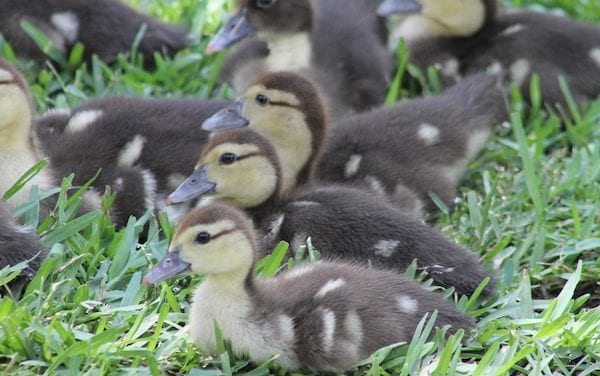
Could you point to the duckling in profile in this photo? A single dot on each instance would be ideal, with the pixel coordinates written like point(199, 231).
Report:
point(145, 147)
point(105, 27)
point(18, 243)
point(323, 316)
point(240, 168)
point(404, 151)
point(310, 37)
point(465, 36)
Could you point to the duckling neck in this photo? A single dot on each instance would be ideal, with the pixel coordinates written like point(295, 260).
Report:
point(227, 288)
point(288, 51)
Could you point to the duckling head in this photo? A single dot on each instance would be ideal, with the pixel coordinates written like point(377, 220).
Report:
point(450, 17)
point(212, 240)
point(266, 18)
point(238, 167)
point(287, 109)
point(15, 107)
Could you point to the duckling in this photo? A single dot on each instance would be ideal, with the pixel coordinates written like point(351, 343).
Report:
point(312, 38)
point(106, 28)
point(323, 316)
point(404, 151)
point(240, 168)
point(18, 243)
point(157, 140)
point(466, 36)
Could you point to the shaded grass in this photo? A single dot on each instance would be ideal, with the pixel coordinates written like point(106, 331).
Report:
point(528, 206)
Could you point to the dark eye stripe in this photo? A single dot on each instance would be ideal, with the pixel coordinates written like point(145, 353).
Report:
point(224, 232)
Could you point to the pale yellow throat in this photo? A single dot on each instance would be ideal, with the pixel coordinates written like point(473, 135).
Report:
point(290, 52)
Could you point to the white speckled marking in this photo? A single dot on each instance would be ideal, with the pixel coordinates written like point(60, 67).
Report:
point(132, 151)
point(331, 285)
point(595, 55)
point(175, 180)
point(298, 240)
point(275, 225)
point(512, 29)
point(302, 204)
point(67, 24)
point(407, 304)
point(354, 330)
point(495, 68)
point(430, 134)
point(149, 189)
point(119, 184)
point(519, 70)
point(353, 165)
point(299, 271)
point(92, 198)
point(6, 76)
point(450, 68)
point(286, 328)
point(328, 330)
point(81, 120)
point(374, 184)
point(385, 248)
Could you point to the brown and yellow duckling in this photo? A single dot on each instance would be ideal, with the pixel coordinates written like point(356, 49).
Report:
point(241, 168)
point(310, 37)
point(323, 316)
point(466, 36)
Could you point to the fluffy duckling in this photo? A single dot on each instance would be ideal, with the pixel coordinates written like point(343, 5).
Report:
point(465, 36)
point(146, 147)
point(323, 316)
point(17, 152)
point(288, 110)
point(404, 151)
point(240, 168)
point(106, 28)
point(310, 37)
point(18, 243)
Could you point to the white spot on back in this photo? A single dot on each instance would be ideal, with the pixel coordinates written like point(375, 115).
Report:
point(67, 24)
point(450, 68)
point(299, 271)
point(331, 285)
point(6, 76)
point(119, 184)
point(595, 55)
point(374, 184)
point(92, 198)
point(298, 240)
point(407, 304)
point(302, 204)
point(275, 225)
point(495, 68)
point(352, 165)
point(286, 328)
point(149, 189)
point(81, 120)
point(385, 248)
point(354, 331)
point(512, 29)
point(519, 70)
point(328, 329)
point(429, 134)
point(132, 152)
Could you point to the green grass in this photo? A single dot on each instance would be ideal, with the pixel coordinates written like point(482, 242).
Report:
point(528, 206)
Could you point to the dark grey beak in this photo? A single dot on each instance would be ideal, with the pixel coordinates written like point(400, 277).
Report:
point(170, 266)
point(234, 30)
point(389, 7)
point(194, 186)
point(230, 117)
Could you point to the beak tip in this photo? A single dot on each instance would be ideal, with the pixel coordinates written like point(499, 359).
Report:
point(169, 201)
point(210, 49)
point(146, 281)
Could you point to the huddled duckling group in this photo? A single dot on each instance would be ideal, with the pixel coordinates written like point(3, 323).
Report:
point(306, 151)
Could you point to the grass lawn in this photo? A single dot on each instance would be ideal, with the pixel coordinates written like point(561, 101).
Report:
point(529, 206)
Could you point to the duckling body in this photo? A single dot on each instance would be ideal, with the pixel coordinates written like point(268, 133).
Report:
point(18, 243)
point(513, 45)
point(157, 140)
point(312, 38)
point(106, 28)
point(419, 146)
point(240, 168)
point(322, 316)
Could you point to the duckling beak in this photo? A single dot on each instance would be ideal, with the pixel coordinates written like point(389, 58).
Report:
point(389, 7)
point(194, 186)
point(230, 117)
point(169, 266)
point(234, 30)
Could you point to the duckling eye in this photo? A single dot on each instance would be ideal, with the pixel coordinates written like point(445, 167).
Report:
point(203, 238)
point(227, 158)
point(262, 100)
point(264, 4)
